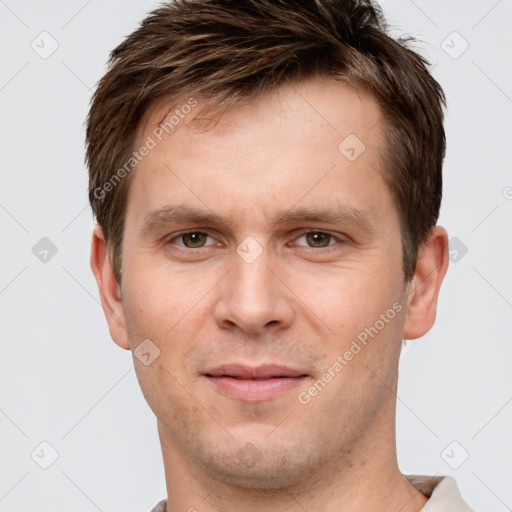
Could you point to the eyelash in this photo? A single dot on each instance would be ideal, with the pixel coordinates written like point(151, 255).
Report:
point(303, 233)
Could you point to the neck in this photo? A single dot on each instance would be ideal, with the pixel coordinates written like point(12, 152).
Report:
point(366, 476)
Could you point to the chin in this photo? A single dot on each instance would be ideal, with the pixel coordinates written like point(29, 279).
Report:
point(265, 477)
point(263, 467)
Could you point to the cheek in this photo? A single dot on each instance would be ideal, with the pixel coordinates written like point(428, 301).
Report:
point(350, 298)
point(156, 300)
point(364, 312)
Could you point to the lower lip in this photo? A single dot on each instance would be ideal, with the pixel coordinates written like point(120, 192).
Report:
point(255, 390)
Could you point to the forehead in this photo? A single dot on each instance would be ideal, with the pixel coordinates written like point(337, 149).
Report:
point(323, 101)
point(318, 140)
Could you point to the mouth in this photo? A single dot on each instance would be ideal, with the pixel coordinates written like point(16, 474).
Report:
point(254, 383)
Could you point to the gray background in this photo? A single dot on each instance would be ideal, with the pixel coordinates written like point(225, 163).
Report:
point(64, 382)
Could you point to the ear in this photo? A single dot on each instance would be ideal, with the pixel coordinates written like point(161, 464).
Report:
point(109, 288)
point(423, 289)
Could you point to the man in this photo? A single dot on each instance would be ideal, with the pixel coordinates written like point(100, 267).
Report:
point(266, 177)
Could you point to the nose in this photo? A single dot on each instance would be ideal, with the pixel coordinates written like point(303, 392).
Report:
point(253, 297)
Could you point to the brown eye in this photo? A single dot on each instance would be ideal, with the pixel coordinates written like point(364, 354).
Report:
point(193, 239)
point(318, 239)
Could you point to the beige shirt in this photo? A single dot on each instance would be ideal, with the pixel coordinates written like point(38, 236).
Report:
point(442, 492)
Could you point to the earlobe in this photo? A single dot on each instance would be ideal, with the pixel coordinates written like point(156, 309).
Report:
point(423, 289)
point(109, 289)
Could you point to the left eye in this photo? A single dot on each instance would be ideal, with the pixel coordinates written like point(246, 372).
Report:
point(317, 239)
point(192, 239)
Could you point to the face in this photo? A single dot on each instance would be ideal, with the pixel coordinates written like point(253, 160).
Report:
point(262, 258)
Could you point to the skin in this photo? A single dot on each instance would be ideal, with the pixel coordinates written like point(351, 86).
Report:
point(301, 303)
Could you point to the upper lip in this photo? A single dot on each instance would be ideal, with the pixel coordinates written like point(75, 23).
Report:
point(240, 371)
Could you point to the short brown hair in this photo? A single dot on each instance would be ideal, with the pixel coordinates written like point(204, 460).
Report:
point(232, 51)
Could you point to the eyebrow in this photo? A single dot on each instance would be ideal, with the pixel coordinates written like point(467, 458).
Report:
point(180, 214)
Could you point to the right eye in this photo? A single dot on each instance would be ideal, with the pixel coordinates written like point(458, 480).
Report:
point(191, 239)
